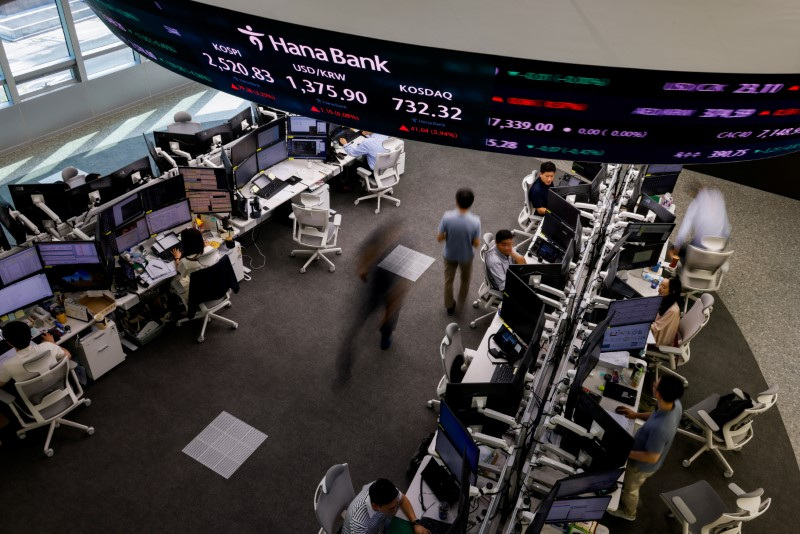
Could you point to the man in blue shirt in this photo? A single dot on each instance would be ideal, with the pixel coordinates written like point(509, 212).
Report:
point(460, 230)
point(537, 194)
point(651, 443)
point(369, 147)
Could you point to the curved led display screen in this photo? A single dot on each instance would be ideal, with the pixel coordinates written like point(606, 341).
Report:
point(478, 101)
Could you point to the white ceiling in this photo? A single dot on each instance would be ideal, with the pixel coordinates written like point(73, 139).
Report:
point(737, 36)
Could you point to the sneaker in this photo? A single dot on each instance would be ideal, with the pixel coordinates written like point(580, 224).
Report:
point(621, 515)
point(451, 311)
point(386, 342)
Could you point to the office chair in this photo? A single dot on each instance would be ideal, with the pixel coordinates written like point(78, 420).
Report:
point(209, 291)
point(47, 398)
point(317, 229)
point(333, 495)
point(734, 434)
point(527, 218)
point(379, 183)
point(700, 510)
point(666, 358)
point(72, 177)
point(704, 268)
point(455, 359)
point(184, 124)
point(487, 294)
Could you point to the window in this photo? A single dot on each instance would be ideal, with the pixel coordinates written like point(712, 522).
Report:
point(32, 35)
point(46, 82)
point(3, 95)
point(92, 34)
point(110, 62)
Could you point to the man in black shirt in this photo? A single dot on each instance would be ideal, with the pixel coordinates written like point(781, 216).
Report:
point(537, 195)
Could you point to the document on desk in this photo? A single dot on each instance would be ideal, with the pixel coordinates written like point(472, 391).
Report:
point(158, 269)
point(407, 263)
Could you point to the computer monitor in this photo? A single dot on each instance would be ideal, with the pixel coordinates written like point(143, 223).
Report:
point(454, 444)
point(613, 252)
point(597, 181)
point(637, 188)
point(522, 309)
point(549, 274)
point(17, 230)
point(563, 209)
point(460, 523)
point(205, 138)
point(587, 169)
point(588, 356)
point(609, 451)
point(236, 122)
point(272, 155)
point(244, 172)
point(24, 293)
point(595, 482)
point(659, 183)
point(582, 192)
point(124, 176)
point(639, 256)
point(226, 162)
point(210, 201)
point(186, 143)
point(243, 148)
point(307, 126)
point(126, 210)
point(499, 397)
point(308, 147)
point(19, 265)
point(130, 235)
point(271, 133)
point(168, 217)
point(662, 214)
point(161, 163)
point(611, 271)
point(55, 197)
point(657, 169)
point(641, 232)
point(632, 311)
point(203, 178)
point(162, 192)
point(557, 230)
point(630, 337)
point(57, 253)
point(574, 509)
point(74, 278)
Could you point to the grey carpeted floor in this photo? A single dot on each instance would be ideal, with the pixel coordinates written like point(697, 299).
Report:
point(276, 373)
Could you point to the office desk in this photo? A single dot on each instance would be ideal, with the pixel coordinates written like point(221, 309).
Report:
point(596, 379)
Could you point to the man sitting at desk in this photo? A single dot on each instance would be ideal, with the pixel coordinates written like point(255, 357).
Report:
point(651, 443)
point(370, 147)
point(499, 257)
point(537, 194)
point(196, 255)
point(374, 508)
point(18, 334)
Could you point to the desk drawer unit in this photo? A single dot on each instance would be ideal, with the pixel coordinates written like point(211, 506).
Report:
point(101, 351)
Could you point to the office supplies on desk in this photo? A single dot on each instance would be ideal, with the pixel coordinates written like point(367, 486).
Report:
point(158, 270)
point(614, 360)
point(503, 374)
point(620, 393)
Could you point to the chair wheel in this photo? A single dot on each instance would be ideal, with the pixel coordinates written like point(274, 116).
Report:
point(355, 202)
point(49, 453)
point(90, 430)
point(22, 436)
point(302, 270)
point(291, 254)
point(397, 203)
point(377, 211)
point(430, 404)
point(728, 474)
point(338, 252)
point(229, 304)
point(200, 339)
point(332, 269)
point(234, 326)
point(473, 324)
point(686, 463)
point(475, 304)
point(737, 450)
point(87, 402)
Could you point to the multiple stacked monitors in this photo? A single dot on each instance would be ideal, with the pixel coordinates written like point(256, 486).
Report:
point(63, 202)
point(307, 126)
point(307, 138)
point(168, 217)
point(207, 189)
point(271, 156)
point(587, 169)
point(24, 293)
point(639, 256)
point(522, 310)
point(455, 445)
point(19, 265)
point(639, 232)
point(240, 121)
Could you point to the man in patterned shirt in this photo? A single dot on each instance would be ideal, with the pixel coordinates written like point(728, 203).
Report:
point(374, 508)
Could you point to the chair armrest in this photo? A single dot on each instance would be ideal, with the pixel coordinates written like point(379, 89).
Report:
point(739, 393)
point(735, 489)
point(364, 173)
point(683, 510)
point(337, 219)
point(6, 397)
point(708, 421)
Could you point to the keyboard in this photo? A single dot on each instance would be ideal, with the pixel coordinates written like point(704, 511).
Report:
point(269, 190)
point(503, 374)
point(347, 133)
point(166, 254)
point(435, 526)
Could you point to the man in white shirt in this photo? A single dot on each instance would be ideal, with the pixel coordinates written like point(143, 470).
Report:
point(499, 257)
point(18, 334)
point(705, 216)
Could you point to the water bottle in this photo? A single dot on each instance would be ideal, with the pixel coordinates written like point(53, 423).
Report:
point(443, 509)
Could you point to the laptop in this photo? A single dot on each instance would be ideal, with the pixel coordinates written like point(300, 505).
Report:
point(620, 393)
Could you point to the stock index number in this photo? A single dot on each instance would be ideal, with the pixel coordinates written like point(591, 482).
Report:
point(426, 110)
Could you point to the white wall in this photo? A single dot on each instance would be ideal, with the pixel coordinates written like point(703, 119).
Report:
point(71, 106)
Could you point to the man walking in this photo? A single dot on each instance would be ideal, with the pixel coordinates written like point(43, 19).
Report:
point(460, 230)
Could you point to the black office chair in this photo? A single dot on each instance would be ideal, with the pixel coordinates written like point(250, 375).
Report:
point(210, 291)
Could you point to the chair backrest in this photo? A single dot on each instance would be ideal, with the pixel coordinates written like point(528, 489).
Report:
point(527, 183)
point(714, 243)
point(695, 318)
point(488, 242)
point(452, 352)
point(310, 200)
point(333, 495)
point(698, 259)
point(386, 160)
point(310, 216)
point(211, 283)
point(738, 430)
point(750, 506)
point(49, 393)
